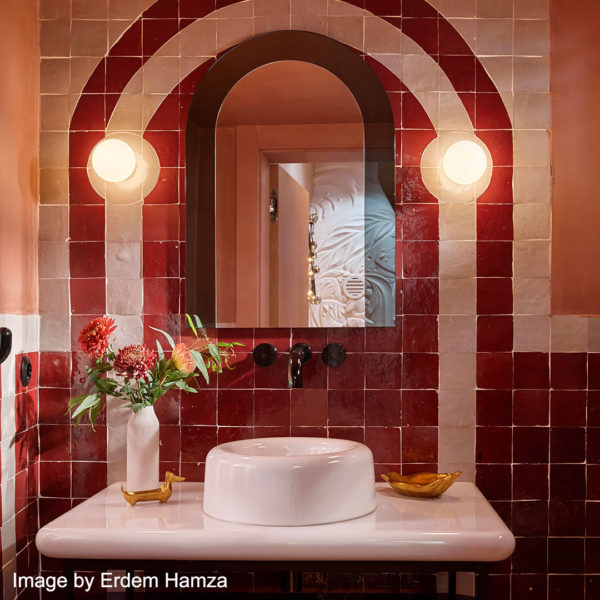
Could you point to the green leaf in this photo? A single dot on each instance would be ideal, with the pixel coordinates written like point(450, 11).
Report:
point(182, 385)
point(215, 352)
point(169, 338)
point(189, 320)
point(200, 364)
point(198, 322)
point(89, 402)
point(161, 354)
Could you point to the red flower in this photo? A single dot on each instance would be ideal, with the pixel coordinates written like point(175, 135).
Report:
point(134, 361)
point(93, 338)
point(182, 359)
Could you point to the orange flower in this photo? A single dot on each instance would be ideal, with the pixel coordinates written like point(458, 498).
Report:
point(93, 338)
point(182, 359)
point(134, 361)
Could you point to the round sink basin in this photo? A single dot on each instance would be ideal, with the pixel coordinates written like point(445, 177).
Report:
point(289, 481)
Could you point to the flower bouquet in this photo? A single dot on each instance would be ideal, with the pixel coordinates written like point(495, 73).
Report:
point(144, 375)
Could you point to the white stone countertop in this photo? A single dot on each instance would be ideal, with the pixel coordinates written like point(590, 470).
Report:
point(460, 525)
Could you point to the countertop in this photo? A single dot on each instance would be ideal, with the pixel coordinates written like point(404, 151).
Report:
point(458, 526)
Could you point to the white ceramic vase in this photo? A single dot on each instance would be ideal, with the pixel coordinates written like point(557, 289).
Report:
point(142, 450)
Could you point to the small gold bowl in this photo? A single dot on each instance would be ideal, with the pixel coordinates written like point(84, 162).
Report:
point(421, 485)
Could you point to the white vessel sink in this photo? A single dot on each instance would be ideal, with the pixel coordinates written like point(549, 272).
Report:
point(289, 481)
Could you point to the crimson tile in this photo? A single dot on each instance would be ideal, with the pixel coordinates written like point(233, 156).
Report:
point(414, 141)
point(412, 188)
point(530, 555)
point(53, 404)
point(567, 482)
point(161, 222)
point(86, 223)
point(593, 445)
point(420, 370)
point(167, 408)
point(170, 443)
point(499, 190)
point(420, 222)
point(593, 371)
point(88, 478)
point(421, 296)
point(346, 408)
point(494, 333)
point(531, 444)
point(592, 555)
point(420, 333)
point(530, 518)
point(89, 113)
point(166, 145)
point(130, 43)
point(568, 408)
point(419, 444)
point(315, 371)
point(384, 7)
point(593, 482)
point(450, 42)
point(189, 84)
point(384, 442)
point(468, 101)
point(530, 586)
point(383, 408)
point(272, 408)
point(166, 190)
point(568, 371)
point(494, 444)
point(395, 100)
point(81, 144)
point(592, 586)
point(352, 338)
point(55, 369)
point(195, 8)
point(88, 296)
point(235, 407)
point(232, 434)
point(274, 376)
point(383, 371)
point(414, 115)
point(160, 259)
point(494, 370)
point(491, 112)
point(87, 444)
point(530, 482)
point(97, 81)
point(531, 407)
point(531, 370)
point(494, 222)
point(565, 555)
point(420, 259)
point(494, 481)
point(419, 407)
point(494, 259)
point(80, 188)
point(192, 471)
point(424, 31)
point(272, 431)
point(162, 9)
point(355, 434)
point(460, 70)
point(86, 259)
point(161, 296)
point(308, 407)
point(169, 323)
point(242, 374)
point(155, 32)
point(500, 145)
point(494, 296)
point(199, 408)
point(417, 8)
point(494, 407)
point(592, 519)
point(384, 339)
point(196, 442)
point(566, 518)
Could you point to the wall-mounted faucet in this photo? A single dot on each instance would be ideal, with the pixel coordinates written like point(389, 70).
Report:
point(298, 356)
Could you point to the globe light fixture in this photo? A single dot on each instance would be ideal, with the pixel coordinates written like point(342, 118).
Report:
point(113, 160)
point(465, 162)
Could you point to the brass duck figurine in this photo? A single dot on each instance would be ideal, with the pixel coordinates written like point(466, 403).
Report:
point(162, 493)
point(421, 485)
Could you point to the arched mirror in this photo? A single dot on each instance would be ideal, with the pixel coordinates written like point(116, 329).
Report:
point(290, 188)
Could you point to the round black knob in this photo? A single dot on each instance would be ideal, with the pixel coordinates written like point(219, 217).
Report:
point(26, 370)
point(264, 355)
point(333, 355)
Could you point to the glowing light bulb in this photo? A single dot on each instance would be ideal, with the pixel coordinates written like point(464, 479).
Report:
point(465, 162)
point(113, 160)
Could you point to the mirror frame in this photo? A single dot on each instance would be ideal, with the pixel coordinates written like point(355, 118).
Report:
point(342, 61)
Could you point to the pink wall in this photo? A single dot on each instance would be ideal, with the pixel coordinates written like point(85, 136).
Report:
point(20, 123)
point(575, 153)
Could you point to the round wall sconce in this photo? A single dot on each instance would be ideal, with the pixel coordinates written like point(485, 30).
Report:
point(123, 168)
point(456, 167)
point(465, 162)
point(113, 159)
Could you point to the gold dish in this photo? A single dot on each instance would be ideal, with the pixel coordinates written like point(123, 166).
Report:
point(421, 485)
point(162, 493)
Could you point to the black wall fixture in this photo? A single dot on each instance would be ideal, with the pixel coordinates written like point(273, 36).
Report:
point(5, 343)
point(26, 370)
point(333, 355)
point(264, 355)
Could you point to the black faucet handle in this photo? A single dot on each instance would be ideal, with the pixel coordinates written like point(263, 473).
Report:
point(306, 351)
point(264, 355)
point(333, 355)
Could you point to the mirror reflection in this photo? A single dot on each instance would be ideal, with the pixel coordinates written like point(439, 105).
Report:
point(296, 243)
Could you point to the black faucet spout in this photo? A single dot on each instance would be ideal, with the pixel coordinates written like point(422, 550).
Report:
point(298, 356)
